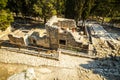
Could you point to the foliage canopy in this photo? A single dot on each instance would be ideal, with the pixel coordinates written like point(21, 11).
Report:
point(73, 9)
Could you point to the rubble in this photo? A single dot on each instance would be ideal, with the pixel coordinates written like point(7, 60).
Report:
point(60, 33)
point(104, 43)
point(29, 74)
point(105, 67)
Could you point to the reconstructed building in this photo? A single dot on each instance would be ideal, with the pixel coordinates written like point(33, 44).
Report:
point(20, 37)
point(60, 33)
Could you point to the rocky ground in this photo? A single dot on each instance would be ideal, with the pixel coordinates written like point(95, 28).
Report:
point(105, 39)
point(67, 68)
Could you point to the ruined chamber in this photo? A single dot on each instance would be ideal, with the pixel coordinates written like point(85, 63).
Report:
point(60, 33)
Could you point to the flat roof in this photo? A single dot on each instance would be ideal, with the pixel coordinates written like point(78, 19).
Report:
point(55, 19)
point(21, 33)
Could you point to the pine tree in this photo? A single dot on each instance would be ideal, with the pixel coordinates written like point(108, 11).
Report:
point(5, 15)
point(45, 9)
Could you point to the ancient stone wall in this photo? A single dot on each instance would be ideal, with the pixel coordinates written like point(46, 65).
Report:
point(44, 41)
point(69, 41)
point(36, 40)
point(16, 40)
point(33, 38)
point(67, 24)
point(53, 36)
point(60, 35)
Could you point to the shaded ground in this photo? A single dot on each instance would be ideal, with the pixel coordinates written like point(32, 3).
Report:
point(109, 68)
point(114, 30)
point(68, 68)
point(7, 70)
point(65, 69)
point(27, 23)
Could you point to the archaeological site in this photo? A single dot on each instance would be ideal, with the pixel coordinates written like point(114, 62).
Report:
point(61, 47)
point(59, 33)
point(59, 39)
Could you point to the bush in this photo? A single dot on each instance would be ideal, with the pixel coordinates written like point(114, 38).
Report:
point(5, 19)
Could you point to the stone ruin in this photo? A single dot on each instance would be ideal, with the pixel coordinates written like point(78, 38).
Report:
point(28, 37)
point(60, 33)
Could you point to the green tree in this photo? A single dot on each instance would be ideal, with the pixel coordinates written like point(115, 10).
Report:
point(5, 15)
point(45, 9)
point(79, 5)
point(114, 8)
point(27, 7)
point(60, 7)
point(86, 9)
point(78, 9)
point(15, 6)
point(102, 8)
point(106, 8)
point(70, 9)
point(3, 4)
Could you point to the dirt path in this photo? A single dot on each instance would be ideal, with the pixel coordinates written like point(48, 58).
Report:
point(3, 34)
point(68, 68)
point(64, 60)
point(60, 73)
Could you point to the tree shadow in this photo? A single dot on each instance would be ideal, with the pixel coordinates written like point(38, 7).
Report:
point(28, 27)
point(108, 67)
point(27, 23)
point(7, 44)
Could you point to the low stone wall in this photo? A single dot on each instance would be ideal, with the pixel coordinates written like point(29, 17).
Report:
point(43, 42)
point(16, 40)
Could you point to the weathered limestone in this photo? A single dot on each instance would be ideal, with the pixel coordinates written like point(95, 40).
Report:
point(60, 33)
point(105, 43)
point(53, 36)
point(20, 37)
point(44, 41)
point(29, 74)
point(25, 38)
point(16, 40)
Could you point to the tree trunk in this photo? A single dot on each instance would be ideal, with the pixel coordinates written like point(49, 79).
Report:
point(77, 22)
point(82, 23)
point(39, 18)
point(45, 20)
point(103, 20)
point(16, 14)
point(83, 26)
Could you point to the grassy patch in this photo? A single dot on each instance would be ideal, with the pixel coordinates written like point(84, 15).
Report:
point(107, 19)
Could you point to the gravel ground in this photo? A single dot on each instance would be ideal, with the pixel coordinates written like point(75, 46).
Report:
point(64, 60)
point(68, 68)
